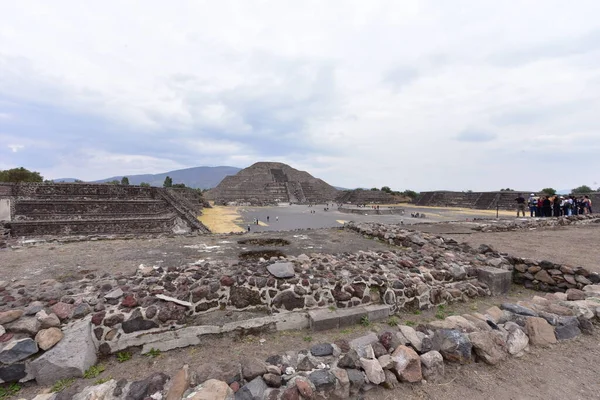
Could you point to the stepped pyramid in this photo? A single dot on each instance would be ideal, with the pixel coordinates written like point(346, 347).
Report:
point(270, 183)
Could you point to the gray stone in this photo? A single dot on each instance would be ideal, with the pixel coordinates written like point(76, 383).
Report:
point(211, 389)
point(103, 391)
point(138, 324)
point(12, 373)
point(28, 325)
point(363, 341)
point(253, 367)
point(373, 370)
point(517, 340)
point(322, 350)
point(568, 329)
point(253, 390)
point(18, 350)
point(453, 345)
point(323, 379)
point(539, 331)
point(350, 360)
point(432, 366)
point(307, 362)
point(411, 335)
point(71, 357)
point(488, 346)
point(139, 390)
point(497, 280)
point(282, 270)
point(321, 320)
point(357, 379)
point(391, 381)
point(34, 307)
point(519, 310)
point(272, 380)
point(115, 294)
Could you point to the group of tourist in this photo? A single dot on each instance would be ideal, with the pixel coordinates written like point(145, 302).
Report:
point(553, 206)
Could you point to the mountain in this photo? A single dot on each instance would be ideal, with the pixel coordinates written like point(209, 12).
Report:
point(197, 177)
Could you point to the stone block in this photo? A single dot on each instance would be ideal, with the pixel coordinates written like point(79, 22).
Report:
point(498, 280)
point(377, 312)
point(71, 357)
point(351, 316)
point(321, 320)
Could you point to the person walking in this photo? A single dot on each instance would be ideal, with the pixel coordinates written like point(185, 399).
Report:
point(520, 205)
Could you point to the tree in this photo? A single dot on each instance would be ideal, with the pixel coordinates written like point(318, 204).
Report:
point(168, 182)
point(179, 185)
point(410, 193)
point(507, 190)
point(374, 189)
point(114, 182)
point(145, 184)
point(549, 191)
point(582, 189)
point(20, 175)
point(125, 181)
point(386, 189)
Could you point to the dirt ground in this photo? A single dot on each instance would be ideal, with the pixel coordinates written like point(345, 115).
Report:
point(575, 246)
point(32, 264)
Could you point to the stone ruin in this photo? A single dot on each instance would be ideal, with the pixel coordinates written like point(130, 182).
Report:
point(477, 200)
point(63, 209)
point(361, 196)
point(269, 183)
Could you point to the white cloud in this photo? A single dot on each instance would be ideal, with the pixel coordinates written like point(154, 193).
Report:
point(363, 93)
point(15, 147)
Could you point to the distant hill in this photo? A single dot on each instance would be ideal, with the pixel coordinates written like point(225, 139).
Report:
point(197, 177)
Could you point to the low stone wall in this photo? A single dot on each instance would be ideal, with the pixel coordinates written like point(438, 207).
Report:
point(533, 274)
point(387, 358)
point(527, 224)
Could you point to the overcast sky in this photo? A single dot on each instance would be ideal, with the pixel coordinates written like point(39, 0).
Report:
point(420, 95)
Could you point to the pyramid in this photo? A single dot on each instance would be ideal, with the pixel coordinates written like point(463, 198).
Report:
point(266, 183)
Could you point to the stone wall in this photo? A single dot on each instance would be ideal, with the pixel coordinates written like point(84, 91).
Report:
point(39, 209)
point(359, 196)
point(477, 200)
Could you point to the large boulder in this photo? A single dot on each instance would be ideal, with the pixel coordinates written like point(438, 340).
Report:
point(71, 357)
point(540, 332)
point(432, 366)
point(488, 346)
point(373, 370)
point(407, 364)
point(453, 345)
point(18, 350)
point(212, 389)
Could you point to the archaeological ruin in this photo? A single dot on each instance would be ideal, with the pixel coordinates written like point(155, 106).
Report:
point(60, 209)
point(362, 196)
point(268, 183)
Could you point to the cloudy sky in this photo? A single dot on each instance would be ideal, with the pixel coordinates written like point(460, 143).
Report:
point(423, 95)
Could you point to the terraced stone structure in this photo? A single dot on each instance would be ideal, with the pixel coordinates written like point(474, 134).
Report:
point(361, 196)
point(477, 200)
point(265, 183)
point(39, 209)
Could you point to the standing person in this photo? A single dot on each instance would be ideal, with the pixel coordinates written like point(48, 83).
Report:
point(267, 218)
point(547, 206)
point(588, 204)
point(556, 206)
point(520, 204)
point(276, 218)
point(248, 227)
point(532, 202)
point(539, 210)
